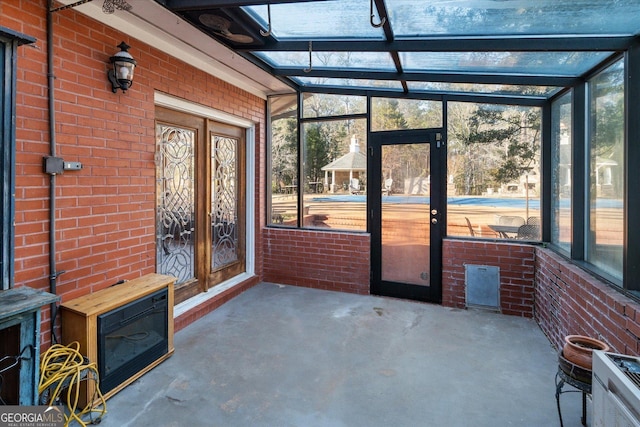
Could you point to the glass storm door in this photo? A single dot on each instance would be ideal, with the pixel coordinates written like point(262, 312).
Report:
point(407, 222)
point(200, 221)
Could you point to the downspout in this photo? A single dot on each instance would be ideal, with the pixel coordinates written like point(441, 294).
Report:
point(53, 274)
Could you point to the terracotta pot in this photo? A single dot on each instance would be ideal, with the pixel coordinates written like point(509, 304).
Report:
point(578, 349)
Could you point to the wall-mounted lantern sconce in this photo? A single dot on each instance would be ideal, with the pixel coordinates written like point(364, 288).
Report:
point(121, 75)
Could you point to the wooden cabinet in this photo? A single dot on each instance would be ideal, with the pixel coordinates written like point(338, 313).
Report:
point(80, 321)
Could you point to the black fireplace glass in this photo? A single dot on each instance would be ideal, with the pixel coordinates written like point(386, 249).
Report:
point(132, 337)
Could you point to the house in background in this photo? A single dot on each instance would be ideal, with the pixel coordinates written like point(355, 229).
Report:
point(173, 175)
point(345, 168)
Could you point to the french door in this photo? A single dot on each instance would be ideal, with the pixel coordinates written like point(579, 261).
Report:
point(200, 201)
point(407, 215)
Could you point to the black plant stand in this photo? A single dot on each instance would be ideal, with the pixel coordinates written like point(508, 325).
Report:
point(577, 377)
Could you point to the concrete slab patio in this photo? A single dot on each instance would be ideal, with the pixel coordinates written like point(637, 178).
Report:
point(289, 356)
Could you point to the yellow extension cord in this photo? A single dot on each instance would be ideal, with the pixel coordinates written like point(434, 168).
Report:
point(62, 368)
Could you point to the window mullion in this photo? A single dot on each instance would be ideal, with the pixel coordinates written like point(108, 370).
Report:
point(578, 174)
point(631, 267)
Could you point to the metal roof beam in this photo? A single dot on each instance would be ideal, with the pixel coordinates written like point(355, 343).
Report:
point(175, 5)
point(534, 101)
point(460, 44)
point(432, 76)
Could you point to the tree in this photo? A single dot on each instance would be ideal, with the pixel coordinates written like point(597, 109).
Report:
point(517, 130)
point(469, 163)
point(387, 115)
point(491, 145)
point(284, 152)
point(316, 151)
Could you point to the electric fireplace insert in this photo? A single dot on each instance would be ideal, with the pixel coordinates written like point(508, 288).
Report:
point(131, 337)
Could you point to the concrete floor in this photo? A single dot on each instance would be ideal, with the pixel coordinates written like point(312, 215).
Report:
point(288, 356)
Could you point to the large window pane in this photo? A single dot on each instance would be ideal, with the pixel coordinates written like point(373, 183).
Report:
point(561, 167)
point(283, 112)
point(335, 174)
point(327, 105)
point(399, 114)
point(493, 187)
point(606, 170)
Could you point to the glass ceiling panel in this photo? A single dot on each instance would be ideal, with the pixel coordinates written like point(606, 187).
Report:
point(323, 19)
point(349, 20)
point(414, 18)
point(535, 63)
point(488, 89)
point(379, 61)
point(351, 83)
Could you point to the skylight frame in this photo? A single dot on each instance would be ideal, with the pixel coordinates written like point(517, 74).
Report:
point(345, 26)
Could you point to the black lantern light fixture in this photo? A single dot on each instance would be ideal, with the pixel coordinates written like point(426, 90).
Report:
point(121, 73)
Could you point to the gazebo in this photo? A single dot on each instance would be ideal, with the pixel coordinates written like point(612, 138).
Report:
point(347, 167)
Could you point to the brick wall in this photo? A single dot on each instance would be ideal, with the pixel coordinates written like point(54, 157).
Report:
point(516, 262)
point(317, 259)
point(105, 212)
point(570, 301)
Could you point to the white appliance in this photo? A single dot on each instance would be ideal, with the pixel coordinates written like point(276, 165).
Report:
point(615, 390)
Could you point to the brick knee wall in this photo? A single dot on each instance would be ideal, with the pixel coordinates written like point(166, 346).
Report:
point(337, 261)
point(570, 301)
point(516, 263)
